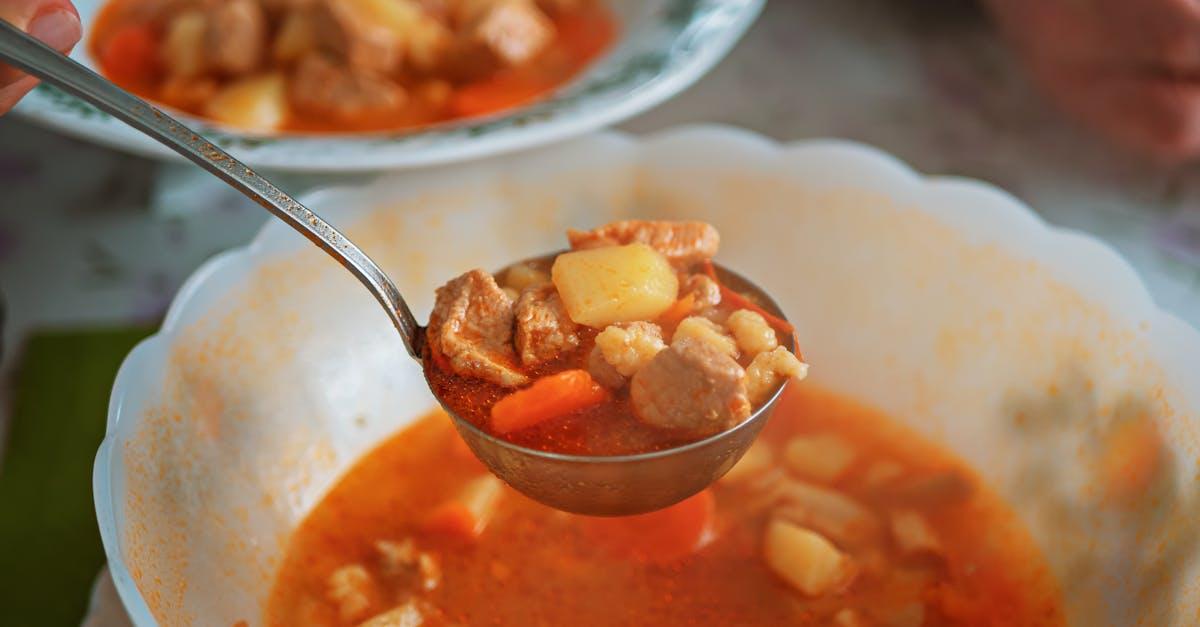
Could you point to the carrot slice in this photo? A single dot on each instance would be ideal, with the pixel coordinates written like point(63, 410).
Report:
point(662, 536)
point(675, 314)
point(741, 302)
point(131, 53)
point(549, 397)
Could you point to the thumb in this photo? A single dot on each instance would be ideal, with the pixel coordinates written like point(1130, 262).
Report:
point(54, 22)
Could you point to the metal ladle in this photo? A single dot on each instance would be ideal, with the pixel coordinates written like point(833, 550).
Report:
point(595, 485)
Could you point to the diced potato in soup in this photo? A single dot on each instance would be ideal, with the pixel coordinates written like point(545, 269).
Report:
point(257, 103)
point(806, 560)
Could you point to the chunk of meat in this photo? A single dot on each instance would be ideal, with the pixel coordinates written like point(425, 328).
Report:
point(691, 387)
point(828, 511)
point(513, 30)
point(471, 328)
point(321, 87)
point(378, 35)
point(236, 36)
point(402, 559)
point(683, 243)
point(603, 372)
point(295, 37)
point(544, 330)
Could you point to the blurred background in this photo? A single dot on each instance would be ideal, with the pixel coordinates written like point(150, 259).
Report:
point(94, 242)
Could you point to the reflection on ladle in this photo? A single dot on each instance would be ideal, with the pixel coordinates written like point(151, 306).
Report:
point(612, 485)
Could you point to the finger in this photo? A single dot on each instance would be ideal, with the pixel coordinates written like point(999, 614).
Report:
point(54, 22)
point(10, 94)
point(1150, 114)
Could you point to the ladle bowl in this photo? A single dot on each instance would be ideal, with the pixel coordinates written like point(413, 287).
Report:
point(619, 485)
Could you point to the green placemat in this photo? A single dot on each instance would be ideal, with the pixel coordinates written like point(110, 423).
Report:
point(49, 546)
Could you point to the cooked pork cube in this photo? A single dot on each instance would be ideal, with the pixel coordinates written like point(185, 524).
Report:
point(320, 86)
point(683, 243)
point(378, 35)
point(471, 328)
point(828, 511)
point(603, 372)
point(690, 387)
point(236, 36)
point(806, 560)
point(296, 37)
point(544, 330)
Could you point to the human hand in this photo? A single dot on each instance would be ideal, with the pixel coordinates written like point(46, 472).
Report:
point(1130, 69)
point(55, 22)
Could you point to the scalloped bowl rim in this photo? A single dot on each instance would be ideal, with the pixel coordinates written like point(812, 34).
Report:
point(1003, 218)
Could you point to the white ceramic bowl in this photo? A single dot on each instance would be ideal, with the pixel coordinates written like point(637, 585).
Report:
point(942, 301)
point(663, 47)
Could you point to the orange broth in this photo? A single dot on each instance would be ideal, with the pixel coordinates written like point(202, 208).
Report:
point(532, 565)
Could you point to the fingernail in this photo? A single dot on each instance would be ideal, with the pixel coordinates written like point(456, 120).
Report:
point(58, 29)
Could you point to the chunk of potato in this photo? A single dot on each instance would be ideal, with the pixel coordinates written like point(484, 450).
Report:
point(806, 560)
point(522, 275)
point(258, 103)
point(822, 458)
point(183, 47)
point(604, 286)
point(296, 37)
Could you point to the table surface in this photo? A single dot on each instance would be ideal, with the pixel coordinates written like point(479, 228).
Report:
point(93, 237)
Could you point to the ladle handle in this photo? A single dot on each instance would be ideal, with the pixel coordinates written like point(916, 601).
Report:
point(33, 57)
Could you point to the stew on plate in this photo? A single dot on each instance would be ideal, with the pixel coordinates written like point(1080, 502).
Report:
point(326, 66)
